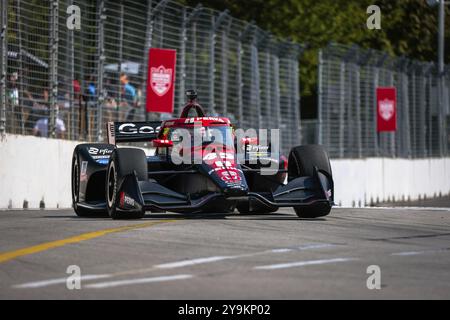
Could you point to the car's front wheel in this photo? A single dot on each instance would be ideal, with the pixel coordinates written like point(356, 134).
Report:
point(302, 161)
point(123, 162)
point(80, 211)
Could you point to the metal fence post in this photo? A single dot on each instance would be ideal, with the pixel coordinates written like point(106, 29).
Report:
point(267, 83)
point(341, 108)
point(148, 45)
point(53, 70)
point(224, 73)
point(320, 99)
point(406, 127)
point(239, 82)
point(71, 47)
point(211, 70)
point(182, 56)
point(215, 25)
point(443, 115)
point(100, 70)
point(186, 21)
point(297, 105)
point(120, 56)
point(276, 87)
point(194, 49)
point(392, 135)
point(3, 64)
point(358, 109)
point(430, 116)
point(20, 108)
point(241, 37)
point(422, 107)
point(254, 85)
point(413, 108)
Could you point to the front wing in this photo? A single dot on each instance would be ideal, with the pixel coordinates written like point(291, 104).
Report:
point(299, 192)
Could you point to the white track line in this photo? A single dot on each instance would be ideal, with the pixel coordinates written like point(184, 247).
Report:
point(185, 263)
point(302, 263)
point(174, 265)
point(415, 253)
point(399, 208)
point(203, 260)
point(50, 282)
point(407, 253)
point(110, 284)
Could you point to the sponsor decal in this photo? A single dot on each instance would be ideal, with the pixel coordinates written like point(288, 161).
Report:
point(130, 128)
point(97, 151)
point(222, 155)
point(230, 176)
point(125, 200)
point(258, 148)
point(199, 119)
point(161, 80)
point(100, 157)
point(103, 161)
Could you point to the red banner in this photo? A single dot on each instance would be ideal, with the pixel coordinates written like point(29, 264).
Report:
point(161, 80)
point(386, 109)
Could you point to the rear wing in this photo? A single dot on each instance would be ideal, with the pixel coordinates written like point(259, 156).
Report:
point(132, 131)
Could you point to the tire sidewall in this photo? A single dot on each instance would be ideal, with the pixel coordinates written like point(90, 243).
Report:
point(75, 180)
point(111, 199)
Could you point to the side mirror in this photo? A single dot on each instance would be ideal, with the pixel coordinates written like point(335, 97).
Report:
point(159, 143)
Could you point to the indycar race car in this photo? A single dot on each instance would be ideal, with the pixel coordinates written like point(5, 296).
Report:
point(218, 173)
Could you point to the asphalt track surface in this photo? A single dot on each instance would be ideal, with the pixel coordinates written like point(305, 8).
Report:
point(276, 256)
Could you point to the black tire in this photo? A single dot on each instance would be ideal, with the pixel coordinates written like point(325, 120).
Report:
point(81, 212)
point(123, 162)
point(302, 161)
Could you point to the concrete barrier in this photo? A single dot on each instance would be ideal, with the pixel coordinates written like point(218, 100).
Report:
point(368, 181)
point(35, 172)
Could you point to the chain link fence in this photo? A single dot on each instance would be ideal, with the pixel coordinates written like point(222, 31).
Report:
point(65, 83)
point(348, 78)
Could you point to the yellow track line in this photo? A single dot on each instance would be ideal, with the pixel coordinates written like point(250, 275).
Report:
point(6, 256)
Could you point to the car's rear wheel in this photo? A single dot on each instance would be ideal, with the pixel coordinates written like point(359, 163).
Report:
point(302, 161)
point(123, 162)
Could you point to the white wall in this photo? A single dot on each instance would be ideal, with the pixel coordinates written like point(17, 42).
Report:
point(38, 169)
point(366, 181)
point(34, 169)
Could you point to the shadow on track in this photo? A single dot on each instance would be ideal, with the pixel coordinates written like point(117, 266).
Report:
point(193, 216)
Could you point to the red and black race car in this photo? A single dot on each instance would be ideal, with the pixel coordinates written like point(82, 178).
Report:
point(200, 165)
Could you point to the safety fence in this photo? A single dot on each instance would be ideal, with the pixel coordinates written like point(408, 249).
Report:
point(59, 81)
point(347, 123)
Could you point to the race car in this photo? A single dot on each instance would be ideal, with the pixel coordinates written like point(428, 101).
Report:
point(199, 165)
